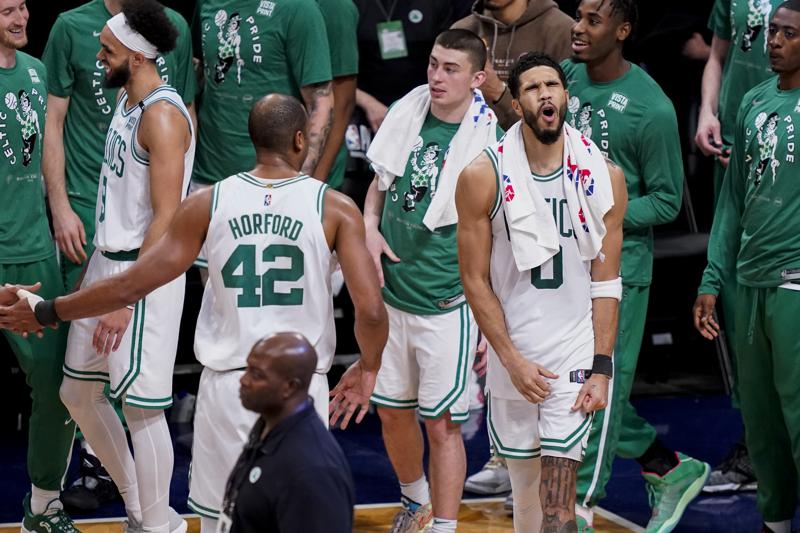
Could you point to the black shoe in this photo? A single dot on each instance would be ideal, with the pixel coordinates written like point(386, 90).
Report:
point(93, 487)
point(734, 473)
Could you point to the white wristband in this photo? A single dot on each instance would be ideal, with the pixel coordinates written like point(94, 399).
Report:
point(606, 289)
point(32, 298)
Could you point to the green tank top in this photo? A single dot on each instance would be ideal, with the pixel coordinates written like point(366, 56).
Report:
point(426, 280)
point(24, 232)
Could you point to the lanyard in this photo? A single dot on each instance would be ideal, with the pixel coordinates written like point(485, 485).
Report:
point(383, 9)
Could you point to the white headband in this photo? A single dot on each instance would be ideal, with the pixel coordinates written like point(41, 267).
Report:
point(131, 38)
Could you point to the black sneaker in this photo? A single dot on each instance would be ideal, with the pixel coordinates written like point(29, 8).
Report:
point(93, 487)
point(734, 473)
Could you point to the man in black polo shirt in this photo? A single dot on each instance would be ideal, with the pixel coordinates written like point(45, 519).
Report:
point(292, 476)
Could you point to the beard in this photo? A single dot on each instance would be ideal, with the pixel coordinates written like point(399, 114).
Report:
point(545, 135)
point(8, 40)
point(117, 77)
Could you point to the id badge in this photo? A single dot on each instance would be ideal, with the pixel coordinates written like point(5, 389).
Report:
point(392, 40)
point(224, 523)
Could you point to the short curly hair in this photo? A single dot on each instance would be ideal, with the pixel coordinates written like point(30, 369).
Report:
point(528, 61)
point(149, 18)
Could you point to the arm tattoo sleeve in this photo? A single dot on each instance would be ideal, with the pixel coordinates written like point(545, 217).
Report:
point(320, 119)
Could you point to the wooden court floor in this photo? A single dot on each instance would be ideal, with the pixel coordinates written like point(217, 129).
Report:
point(483, 517)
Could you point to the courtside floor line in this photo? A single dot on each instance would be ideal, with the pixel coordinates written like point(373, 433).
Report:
point(608, 515)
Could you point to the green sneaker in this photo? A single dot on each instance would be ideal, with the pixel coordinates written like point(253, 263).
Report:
point(52, 520)
point(583, 527)
point(671, 494)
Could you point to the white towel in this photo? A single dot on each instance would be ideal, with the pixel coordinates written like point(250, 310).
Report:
point(587, 189)
point(395, 139)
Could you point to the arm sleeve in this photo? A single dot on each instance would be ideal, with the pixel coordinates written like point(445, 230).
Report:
point(661, 171)
point(719, 21)
point(185, 80)
point(61, 75)
point(324, 491)
point(307, 46)
point(726, 231)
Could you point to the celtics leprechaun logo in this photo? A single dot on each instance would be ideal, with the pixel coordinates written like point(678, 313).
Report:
point(425, 173)
point(228, 45)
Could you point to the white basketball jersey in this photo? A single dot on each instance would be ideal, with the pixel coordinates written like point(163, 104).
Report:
point(548, 309)
point(124, 210)
point(269, 270)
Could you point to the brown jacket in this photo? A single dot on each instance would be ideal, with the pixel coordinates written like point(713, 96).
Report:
point(543, 28)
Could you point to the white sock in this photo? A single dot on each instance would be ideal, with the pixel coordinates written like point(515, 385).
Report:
point(525, 476)
point(784, 526)
point(584, 512)
point(40, 498)
point(417, 491)
point(443, 525)
point(152, 446)
point(208, 525)
point(102, 428)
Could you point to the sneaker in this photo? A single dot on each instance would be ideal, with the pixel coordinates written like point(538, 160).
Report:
point(52, 520)
point(93, 487)
point(734, 473)
point(671, 494)
point(508, 505)
point(408, 521)
point(493, 478)
point(583, 527)
point(176, 524)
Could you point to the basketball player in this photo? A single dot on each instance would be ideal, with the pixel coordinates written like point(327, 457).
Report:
point(756, 233)
point(433, 335)
point(624, 111)
point(146, 168)
point(271, 234)
point(543, 323)
point(27, 255)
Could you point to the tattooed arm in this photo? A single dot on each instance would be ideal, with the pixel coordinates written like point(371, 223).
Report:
point(318, 98)
point(557, 493)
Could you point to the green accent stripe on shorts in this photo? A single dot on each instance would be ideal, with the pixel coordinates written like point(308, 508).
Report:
point(570, 441)
point(501, 449)
point(85, 376)
point(461, 369)
point(148, 403)
point(321, 201)
point(136, 350)
point(385, 401)
point(124, 255)
point(202, 511)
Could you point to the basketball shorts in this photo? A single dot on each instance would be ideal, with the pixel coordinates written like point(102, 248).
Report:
point(426, 363)
point(140, 370)
point(221, 429)
point(202, 258)
point(519, 429)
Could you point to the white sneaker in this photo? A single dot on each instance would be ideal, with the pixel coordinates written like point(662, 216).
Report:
point(493, 478)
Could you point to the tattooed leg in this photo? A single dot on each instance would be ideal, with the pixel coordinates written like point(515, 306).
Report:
point(557, 492)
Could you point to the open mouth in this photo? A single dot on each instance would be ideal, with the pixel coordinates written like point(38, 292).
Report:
point(16, 32)
point(548, 113)
point(578, 45)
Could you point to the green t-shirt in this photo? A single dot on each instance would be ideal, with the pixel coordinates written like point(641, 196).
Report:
point(634, 124)
point(74, 72)
point(250, 49)
point(427, 274)
point(744, 23)
point(758, 213)
point(341, 23)
point(24, 233)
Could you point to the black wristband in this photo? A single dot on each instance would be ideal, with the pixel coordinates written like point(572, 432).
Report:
point(45, 312)
point(505, 90)
point(603, 364)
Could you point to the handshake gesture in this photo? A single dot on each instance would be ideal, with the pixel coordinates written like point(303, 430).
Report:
point(17, 303)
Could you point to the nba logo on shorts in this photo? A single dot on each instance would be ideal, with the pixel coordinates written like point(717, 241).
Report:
point(577, 376)
point(267, 200)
